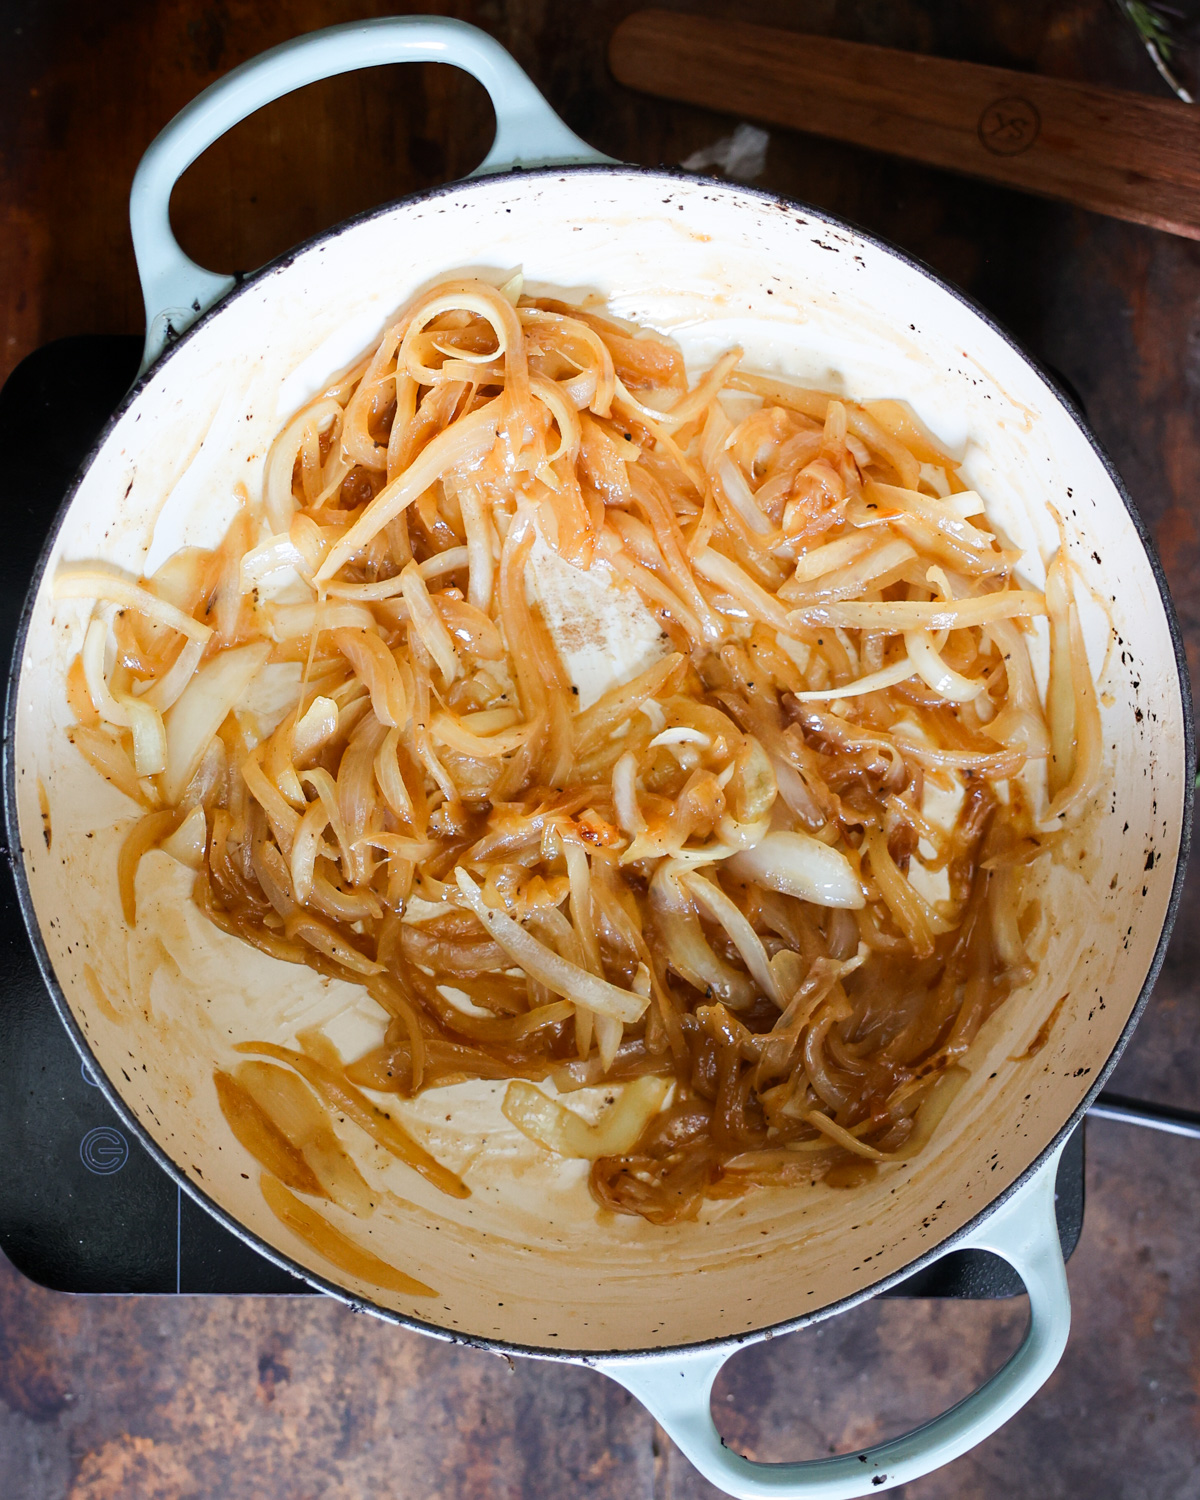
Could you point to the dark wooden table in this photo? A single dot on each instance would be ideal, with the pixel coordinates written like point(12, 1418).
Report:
point(241, 1399)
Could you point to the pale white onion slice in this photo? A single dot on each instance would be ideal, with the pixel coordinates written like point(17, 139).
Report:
point(608, 1031)
point(329, 941)
point(900, 615)
point(95, 641)
point(122, 709)
point(724, 572)
point(391, 782)
point(399, 847)
point(751, 790)
point(546, 966)
point(318, 724)
point(291, 622)
point(1075, 677)
point(796, 794)
point(964, 505)
point(449, 561)
point(281, 815)
point(626, 401)
point(684, 946)
point(375, 667)
point(721, 909)
point(310, 541)
point(741, 497)
point(162, 692)
point(883, 561)
point(476, 297)
point(625, 802)
point(799, 652)
point(933, 671)
point(837, 554)
point(277, 554)
point(692, 403)
point(935, 476)
point(886, 677)
point(187, 843)
point(457, 733)
point(325, 787)
point(681, 734)
point(366, 593)
point(654, 712)
point(480, 560)
point(428, 623)
point(96, 583)
point(201, 709)
point(798, 865)
point(555, 400)
point(948, 516)
point(999, 764)
point(609, 1034)
point(595, 385)
point(305, 847)
point(738, 835)
point(149, 736)
point(1021, 723)
point(560, 1130)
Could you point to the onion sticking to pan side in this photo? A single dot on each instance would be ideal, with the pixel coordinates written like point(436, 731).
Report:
point(770, 882)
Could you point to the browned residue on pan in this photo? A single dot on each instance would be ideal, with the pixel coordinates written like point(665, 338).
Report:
point(1043, 1035)
point(96, 989)
point(44, 809)
point(334, 1246)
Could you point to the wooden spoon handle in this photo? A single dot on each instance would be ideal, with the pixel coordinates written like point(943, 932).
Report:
point(1115, 152)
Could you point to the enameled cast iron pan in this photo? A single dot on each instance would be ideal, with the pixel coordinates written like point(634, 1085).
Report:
point(524, 1264)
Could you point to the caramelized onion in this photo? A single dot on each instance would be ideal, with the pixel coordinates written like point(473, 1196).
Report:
point(544, 965)
point(375, 667)
point(201, 710)
point(358, 719)
point(799, 865)
point(96, 583)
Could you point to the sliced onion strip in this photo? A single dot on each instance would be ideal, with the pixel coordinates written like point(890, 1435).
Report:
point(281, 460)
point(375, 667)
point(560, 1130)
point(75, 582)
point(799, 865)
point(202, 708)
point(559, 976)
point(428, 623)
point(873, 682)
point(928, 664)
point(743, 936)
point(163, 692)
point(722, 570)
point(462, 443)
point(905, 614)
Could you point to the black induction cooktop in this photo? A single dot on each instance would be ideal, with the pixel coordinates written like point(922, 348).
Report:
point(83, 1207)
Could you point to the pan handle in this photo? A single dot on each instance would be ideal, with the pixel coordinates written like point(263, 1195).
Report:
point(677, 1388)
point(175, 289)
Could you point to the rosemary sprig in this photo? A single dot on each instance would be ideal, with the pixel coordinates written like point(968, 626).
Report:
point(1154, 31)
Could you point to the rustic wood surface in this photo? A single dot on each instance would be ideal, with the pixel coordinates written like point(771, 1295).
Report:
point(1110, 150)
point(239, 1399)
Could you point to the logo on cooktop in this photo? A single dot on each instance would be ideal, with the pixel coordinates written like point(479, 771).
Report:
point(104, 1150)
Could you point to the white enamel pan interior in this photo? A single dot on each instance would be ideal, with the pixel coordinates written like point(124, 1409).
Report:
point(526, 1262)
